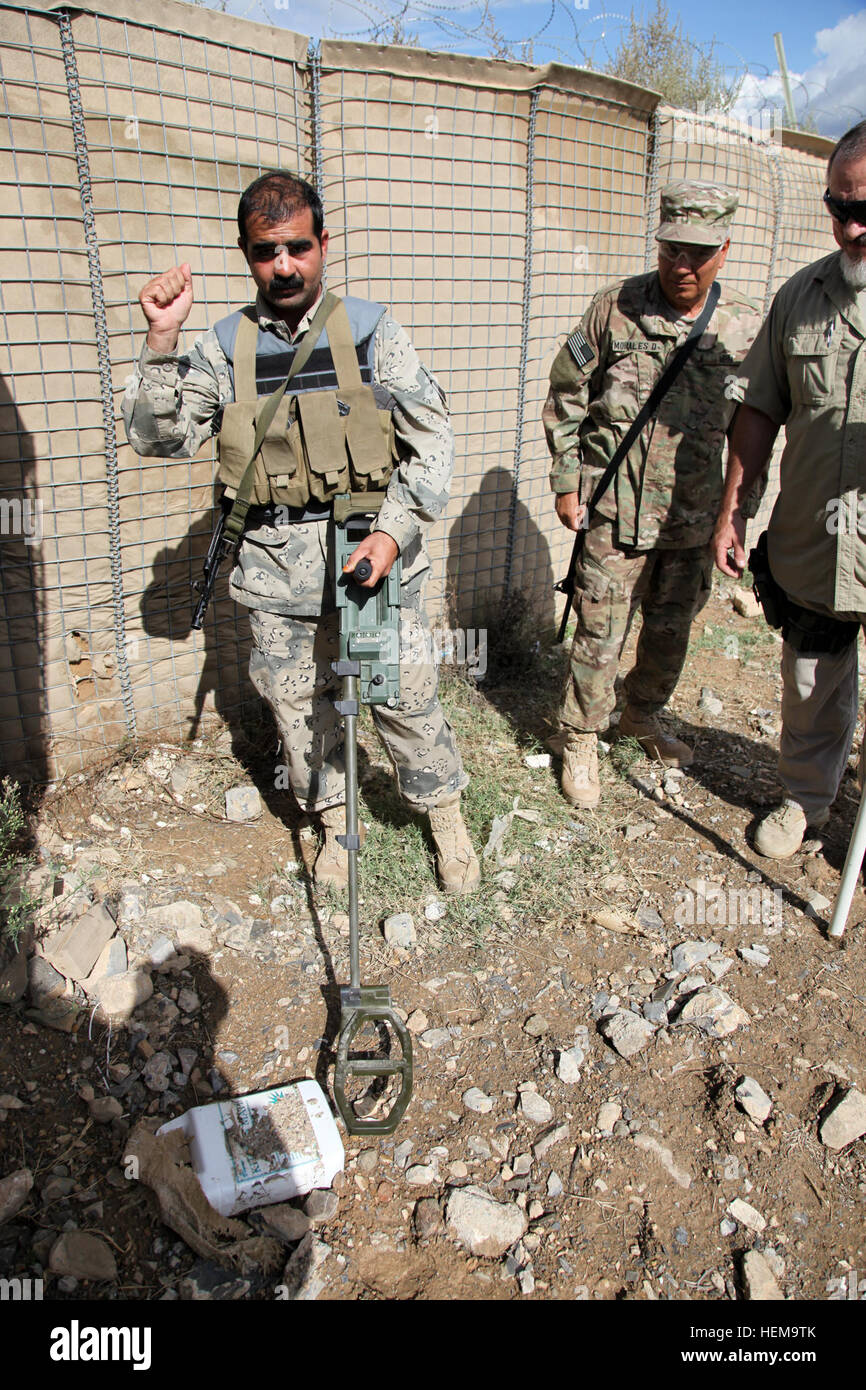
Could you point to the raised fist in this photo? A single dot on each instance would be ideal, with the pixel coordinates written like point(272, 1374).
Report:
point(166, 301)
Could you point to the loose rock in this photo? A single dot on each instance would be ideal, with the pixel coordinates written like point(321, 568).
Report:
point(691, 953)
point(475, 1099)
point(399, 930)
point(14, 1189)
point(288, 1222)
point(709, 702)
point(75, 952)
point(179, 917)
point(627, 1032)
point(483, 1225)
point(665, 1158)
point(321, 1206)
point(427, 1218)
point(756, 954)
point(421, 1174)
point(104, 1109)
point(758, 1279)
point(83, 1256)
point(747, 1215)
point(568, 1065)
point(608, 1115)
point(753, 1100)
point(243, 803)
point(714, 1012)
point(120, 995)
point(535, 1108)
point(845, 1121)
point(301, 1274)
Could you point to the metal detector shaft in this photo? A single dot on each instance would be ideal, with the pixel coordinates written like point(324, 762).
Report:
point(851, 871)
point(369, 669)
point(351, 840)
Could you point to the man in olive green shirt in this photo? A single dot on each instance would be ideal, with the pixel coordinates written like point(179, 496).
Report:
point(807, 371)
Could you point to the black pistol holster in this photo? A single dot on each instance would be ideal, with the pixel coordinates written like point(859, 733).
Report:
point(809, 633)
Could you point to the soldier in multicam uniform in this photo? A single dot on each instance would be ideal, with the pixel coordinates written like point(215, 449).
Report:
point(648, 542)
point(174, 403)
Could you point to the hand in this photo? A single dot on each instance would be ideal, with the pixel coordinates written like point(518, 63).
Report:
point(381, 550)
point(570, 510)
point(728, 543)
point(166, 301)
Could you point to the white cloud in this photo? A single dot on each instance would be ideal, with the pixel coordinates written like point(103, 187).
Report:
point(832, 90)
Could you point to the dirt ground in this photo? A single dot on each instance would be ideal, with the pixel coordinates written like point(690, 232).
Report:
point(629, 1202)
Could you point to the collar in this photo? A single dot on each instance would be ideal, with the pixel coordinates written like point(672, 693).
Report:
point(266, 319)
point(848, 301)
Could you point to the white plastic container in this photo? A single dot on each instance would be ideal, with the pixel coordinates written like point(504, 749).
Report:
point(254, 1150)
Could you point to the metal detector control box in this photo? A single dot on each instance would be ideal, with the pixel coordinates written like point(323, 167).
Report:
point(369, 618)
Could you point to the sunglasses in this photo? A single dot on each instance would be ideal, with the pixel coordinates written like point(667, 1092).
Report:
point(844, 211)
point(695, 255)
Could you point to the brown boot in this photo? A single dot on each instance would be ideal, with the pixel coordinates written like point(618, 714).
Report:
point(580, 770)
point(332, 862)
point(456, 862)
point(653, 739)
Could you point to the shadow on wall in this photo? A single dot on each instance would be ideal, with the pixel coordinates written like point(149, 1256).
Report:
point(477, 578)
point(24, 729)
point(167, 607)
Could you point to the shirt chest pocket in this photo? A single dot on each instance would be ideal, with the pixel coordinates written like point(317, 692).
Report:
point(630, 376)
point(811, 367)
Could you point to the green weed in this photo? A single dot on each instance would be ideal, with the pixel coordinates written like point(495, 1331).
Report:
point(16, 903)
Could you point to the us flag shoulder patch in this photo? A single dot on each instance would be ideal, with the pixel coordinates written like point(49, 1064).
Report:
point(579, 348)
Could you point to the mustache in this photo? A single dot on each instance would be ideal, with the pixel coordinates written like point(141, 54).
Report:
point(288, 285)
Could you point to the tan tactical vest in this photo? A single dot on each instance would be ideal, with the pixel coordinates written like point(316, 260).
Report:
point(319, 443)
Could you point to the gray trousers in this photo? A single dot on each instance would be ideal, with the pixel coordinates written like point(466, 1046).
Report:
point(819, 714)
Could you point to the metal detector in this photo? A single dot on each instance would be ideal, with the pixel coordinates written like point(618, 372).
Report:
point(369, 667)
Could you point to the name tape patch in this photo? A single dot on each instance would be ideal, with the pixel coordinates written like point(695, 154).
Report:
point(579, 348)
point(635, 345)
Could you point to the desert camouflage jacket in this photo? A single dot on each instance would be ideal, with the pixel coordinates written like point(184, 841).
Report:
point(172, 405)
point(667, 491)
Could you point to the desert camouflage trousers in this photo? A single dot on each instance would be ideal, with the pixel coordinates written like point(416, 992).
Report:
point(290, 666)
point(669, 586)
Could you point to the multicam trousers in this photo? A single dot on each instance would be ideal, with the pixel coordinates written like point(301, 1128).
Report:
point(670, 586)
point(290, 666)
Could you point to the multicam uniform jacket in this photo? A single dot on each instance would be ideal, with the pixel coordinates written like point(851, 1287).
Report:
point(172, 405)
point(667, 491)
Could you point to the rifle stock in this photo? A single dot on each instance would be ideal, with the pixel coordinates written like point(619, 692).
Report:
point(221, 548)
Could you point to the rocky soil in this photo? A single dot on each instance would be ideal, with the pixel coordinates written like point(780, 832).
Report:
point(657, 1094)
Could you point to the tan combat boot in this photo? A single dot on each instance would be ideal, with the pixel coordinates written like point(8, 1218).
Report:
point(580, 770)
point(456, 862)
point(332, 862)
point(781, 833)
point(653, 739)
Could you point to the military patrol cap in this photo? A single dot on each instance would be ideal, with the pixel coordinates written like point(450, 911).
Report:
point(695, 212)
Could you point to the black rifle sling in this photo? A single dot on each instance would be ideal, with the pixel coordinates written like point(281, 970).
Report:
point(648, 409)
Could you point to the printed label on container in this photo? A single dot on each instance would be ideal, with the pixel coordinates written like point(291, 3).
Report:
point(268, 1139)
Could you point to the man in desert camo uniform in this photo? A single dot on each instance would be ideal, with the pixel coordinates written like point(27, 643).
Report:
point(363, 372)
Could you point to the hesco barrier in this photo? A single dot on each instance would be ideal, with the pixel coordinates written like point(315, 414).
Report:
point(483, 201)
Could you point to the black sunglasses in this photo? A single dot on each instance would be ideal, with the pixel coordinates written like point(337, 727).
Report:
point(843, 211)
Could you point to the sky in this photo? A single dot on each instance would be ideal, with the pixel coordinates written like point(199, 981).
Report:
point(825, 40)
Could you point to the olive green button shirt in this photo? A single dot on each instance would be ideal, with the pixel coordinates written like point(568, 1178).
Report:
point(807, 371)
